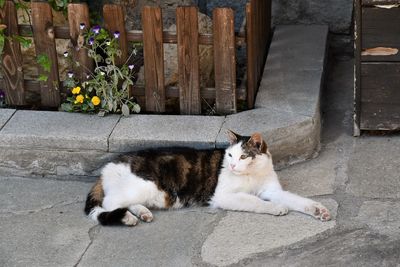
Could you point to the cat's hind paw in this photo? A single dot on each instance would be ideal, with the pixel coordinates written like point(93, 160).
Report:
point(129, 219)
point(320, 212)
point(146, 217)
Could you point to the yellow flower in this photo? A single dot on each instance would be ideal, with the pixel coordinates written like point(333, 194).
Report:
point(96, 100)
point(80, 98)
point(76, 90)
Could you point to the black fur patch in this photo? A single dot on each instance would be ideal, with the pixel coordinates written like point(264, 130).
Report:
point(112, 217)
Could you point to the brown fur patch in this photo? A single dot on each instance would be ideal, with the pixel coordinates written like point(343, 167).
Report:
point(97, 192)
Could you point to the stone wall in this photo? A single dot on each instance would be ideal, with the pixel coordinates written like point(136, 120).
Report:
point(335, 13)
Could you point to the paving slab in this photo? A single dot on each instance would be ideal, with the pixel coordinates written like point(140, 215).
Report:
point(312, 178)
point(381, 216)
point(57, 130)
point(144, 131)
point(174, 238)
point(374, 167)
point(42, 222)
point(346, 248)
point(60, 164)
point(5, 115)
point(240, 235)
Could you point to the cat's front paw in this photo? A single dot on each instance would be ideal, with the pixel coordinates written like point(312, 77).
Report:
point(319, 211)
point(280, 210)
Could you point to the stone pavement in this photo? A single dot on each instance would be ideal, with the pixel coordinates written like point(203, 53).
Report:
point(42, 221)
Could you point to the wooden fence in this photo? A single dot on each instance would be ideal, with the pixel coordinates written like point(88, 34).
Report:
point(224, 41)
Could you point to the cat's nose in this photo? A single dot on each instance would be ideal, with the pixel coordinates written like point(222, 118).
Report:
point(233, 166)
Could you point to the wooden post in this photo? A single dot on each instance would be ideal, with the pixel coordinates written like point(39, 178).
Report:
point(114, 20)
point(224, 60)
point(251, 54)
point(11, 61)
point(43, 34)
point(153, 59)
point(357, 67)
point(77, 14)
point(188, 60)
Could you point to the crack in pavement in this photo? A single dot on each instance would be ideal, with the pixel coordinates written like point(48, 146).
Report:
point(92, 232)
point(48, 207)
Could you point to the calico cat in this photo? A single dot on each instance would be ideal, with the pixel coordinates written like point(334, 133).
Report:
point(239, 178)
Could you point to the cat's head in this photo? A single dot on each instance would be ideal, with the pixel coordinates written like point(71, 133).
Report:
point(247, 154)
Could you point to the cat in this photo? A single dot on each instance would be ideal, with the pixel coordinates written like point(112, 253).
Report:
point(238, 178)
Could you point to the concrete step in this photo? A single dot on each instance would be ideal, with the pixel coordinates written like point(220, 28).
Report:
point(287, 113)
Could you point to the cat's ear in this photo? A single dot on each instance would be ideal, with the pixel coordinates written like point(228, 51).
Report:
point(232, 137)
point(256, 140)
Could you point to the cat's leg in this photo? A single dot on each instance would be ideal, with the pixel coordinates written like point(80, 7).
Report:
point(246, 202)
point(112, 205)
point(141, 212)
point(297, 203)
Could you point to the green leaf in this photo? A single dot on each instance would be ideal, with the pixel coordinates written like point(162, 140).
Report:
point(125, 110)
point(2, 39)
point(67, 107)
point(2, 2)
point(25, 42)
point(44, 61)
point(43, 78)
point(136, 108)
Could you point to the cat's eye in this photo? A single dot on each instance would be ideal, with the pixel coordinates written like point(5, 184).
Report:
point(230, 155)
point(243, 157)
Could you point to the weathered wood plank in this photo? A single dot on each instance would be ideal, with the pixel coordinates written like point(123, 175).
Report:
point(79, 13)
point(188, 60)
point(381, 28)
point(380, 2)
point(42, 24)
point(380, 97)
point(357, 58)
point(11, 61)
point(251, 54)
point(153, 59)
point(114, 19)
point(224, 60)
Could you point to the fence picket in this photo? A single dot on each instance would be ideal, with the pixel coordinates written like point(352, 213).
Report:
point(188, 60)
point(114, 20)
point(224, 60)
point(42, 24)
point(12, 58)
point(153, 59)
point(79, 13)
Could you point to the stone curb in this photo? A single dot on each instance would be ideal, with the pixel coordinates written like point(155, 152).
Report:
point(287, 113)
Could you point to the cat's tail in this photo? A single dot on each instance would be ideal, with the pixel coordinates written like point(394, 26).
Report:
point(97, 213)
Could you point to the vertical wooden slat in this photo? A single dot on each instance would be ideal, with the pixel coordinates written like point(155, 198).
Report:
point(43, 34)
point(251, 52)
point(153, 59)
point(79, 13)
point(114, 19)
point(188, 60)
point(224, 60)
point(357, 67)
point(12, 58)
point(258, 27)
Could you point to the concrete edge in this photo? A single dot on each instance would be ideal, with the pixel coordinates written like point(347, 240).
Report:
point(65, 162)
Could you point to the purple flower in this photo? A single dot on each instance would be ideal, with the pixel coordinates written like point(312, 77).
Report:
point(70, 74)
point(82, 26)
point(2, 94)
point(131, 66)
point(116, 34)
point(91, 41)
point(96, 29)
point(65, 54)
